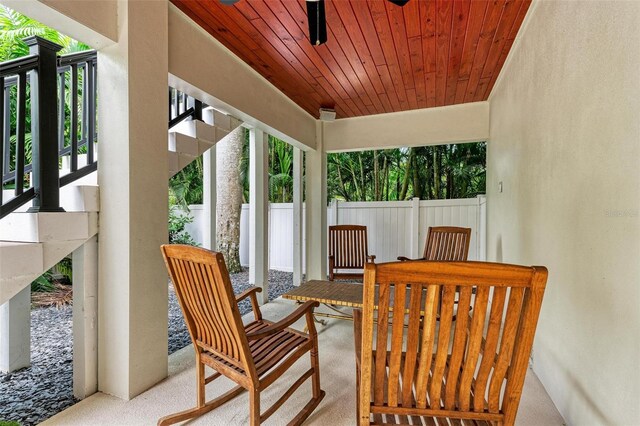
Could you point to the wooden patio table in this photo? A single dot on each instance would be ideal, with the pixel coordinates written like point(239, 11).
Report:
point(332, 293)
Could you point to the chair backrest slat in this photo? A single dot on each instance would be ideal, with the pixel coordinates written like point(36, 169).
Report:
point(473, 362)
point(348, 246)
point(204, 290)
point(447, 243)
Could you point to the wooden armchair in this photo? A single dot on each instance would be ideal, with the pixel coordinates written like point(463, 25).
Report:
point(446, 243)
point(348, 250)
point(252, 355)
point(459, 370)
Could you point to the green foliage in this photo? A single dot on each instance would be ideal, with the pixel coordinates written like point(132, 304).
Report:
point(430, 172)
point(185, 187)
point(65, 267)
point(43, 284)
point(14, 27)
point(177, 223)
point(9, 423)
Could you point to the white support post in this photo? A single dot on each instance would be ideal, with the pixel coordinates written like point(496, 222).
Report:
point(85, 319)
point(298, 158)
point(209, 198)
point(258, 213)
point(15, 332)
point(133, 179)
point(316, 210)
point(415, 227)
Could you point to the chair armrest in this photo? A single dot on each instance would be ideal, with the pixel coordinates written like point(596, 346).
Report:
point(371, 258)
point(406, 259)
point(251, 292)
point(305, 308)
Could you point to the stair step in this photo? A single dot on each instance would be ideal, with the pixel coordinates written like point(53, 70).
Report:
point(196, 129)
point(181, 143)
point(80, 198)
point(45, 227)
point(216, 118)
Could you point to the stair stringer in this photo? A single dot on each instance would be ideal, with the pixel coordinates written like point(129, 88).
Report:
point(53, 251)
point(191, 139)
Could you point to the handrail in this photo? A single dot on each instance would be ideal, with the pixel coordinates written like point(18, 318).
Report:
point(181, 117)
point(179, 101)
point(77, 57)
point(15, 66)
point(49, 77)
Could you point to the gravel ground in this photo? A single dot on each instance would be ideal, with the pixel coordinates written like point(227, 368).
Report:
point(32, 395)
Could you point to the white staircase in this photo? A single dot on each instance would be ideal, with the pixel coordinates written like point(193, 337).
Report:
point(32, 243)
point(190, 139)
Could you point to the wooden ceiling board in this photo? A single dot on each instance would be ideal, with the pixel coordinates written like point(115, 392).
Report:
point(379, 57)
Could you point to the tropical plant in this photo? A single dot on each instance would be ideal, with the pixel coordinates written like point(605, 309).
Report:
point(430, 172)
point(14, 27)
point(177, 224)
point(185, 187)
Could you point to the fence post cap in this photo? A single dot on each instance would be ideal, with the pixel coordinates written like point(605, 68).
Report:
point(41, 42)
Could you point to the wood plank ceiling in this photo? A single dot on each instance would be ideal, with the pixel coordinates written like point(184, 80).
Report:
point(379, 57)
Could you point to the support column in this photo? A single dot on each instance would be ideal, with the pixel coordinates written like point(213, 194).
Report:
point(298, 160)
point(316, 210)
point(85, 319)
point(258, 211)
point(133, 179)
point(209, 198)
point(15, 332)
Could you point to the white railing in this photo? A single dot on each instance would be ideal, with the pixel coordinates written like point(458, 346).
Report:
point(395, 228)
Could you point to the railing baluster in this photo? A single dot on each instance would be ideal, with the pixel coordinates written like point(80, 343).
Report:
point(91, 110)
point(85, 104)
point(2, 123)
point(6, 131)
point(74, 117)
point(20, 133)
point(61, 110)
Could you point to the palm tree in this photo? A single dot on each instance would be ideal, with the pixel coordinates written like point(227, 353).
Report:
point(229, 154)
point(14, 27)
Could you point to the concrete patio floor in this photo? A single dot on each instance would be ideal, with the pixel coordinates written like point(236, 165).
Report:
point(337, 366)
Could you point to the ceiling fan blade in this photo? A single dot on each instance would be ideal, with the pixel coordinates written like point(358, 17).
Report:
point(229, 2)
point(399, 2)
point(317, 22)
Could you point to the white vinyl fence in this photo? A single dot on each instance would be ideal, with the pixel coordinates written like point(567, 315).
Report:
point(395, 228)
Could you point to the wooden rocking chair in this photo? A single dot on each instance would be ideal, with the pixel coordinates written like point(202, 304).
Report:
point(446, 243)
point(252, 355)
point(460, 370)
point(348, 250)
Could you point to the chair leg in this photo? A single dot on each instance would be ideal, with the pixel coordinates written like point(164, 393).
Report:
point(202, 407)
point(315, 364)
point(254, 407)
point(199, 411)
point(201, 391)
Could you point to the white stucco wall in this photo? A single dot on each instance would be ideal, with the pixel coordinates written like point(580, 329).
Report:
point(427, 126)
point(565, 142)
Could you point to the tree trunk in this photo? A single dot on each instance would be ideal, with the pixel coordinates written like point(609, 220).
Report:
point(407, 173)
point(376, 179)
point(436, 172)
point(417, 188)
point(363, 188)
point(229, 195)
